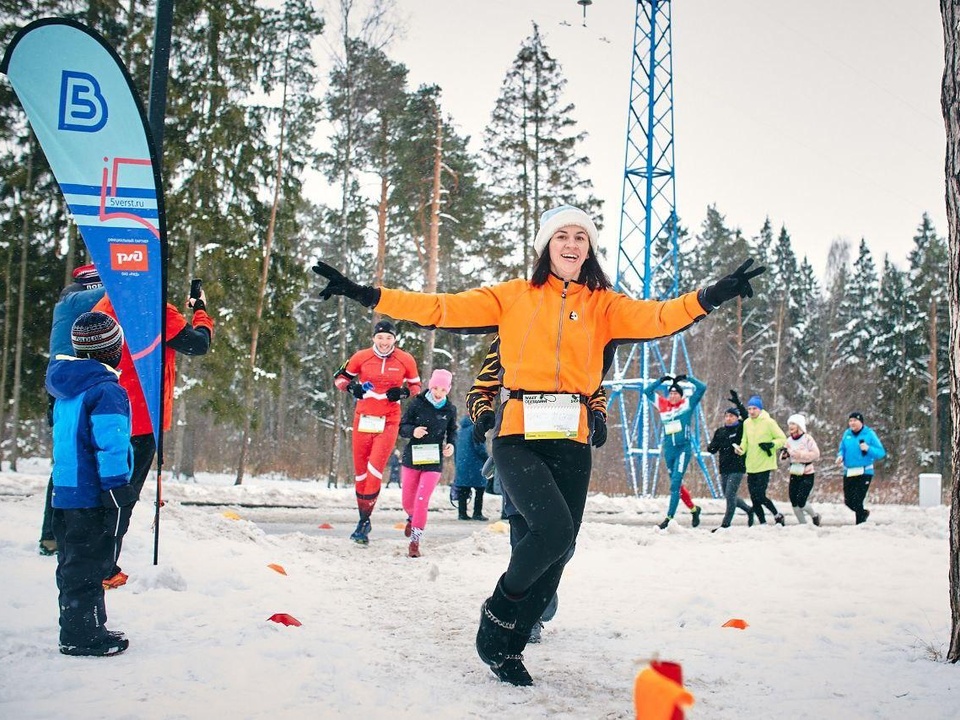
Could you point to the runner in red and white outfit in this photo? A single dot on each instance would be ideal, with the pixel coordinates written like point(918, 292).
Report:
point(378, 377)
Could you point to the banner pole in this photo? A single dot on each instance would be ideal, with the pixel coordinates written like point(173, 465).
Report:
point(159, 70)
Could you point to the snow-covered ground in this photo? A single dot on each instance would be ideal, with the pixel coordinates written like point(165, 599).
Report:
point(844, 622)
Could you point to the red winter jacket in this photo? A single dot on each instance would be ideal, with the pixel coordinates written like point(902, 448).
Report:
point(397, 368)
point(176, 325)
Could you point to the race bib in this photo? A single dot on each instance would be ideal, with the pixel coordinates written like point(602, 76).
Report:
point(550, 417)
point(425, 454)
point(797, 468)
point(371, 424)
point(855, 471)
point(672, 427)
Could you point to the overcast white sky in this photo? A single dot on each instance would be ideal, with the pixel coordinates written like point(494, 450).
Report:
point(823, 115)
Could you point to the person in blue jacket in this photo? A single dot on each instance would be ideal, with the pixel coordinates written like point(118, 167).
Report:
point(859, 449)
point(78, 297)
point(471, 455)
point(92, 465)
point(676, 412)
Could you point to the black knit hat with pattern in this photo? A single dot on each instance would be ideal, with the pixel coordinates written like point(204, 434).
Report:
point(98, 336)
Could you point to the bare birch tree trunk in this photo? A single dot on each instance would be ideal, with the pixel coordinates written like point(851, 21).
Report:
point(180, 448)
point(433, 238)
point(264, 273)
point(21, 305)
point(950, 104)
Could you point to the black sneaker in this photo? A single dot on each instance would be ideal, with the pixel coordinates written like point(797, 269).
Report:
point(778, 519)
point(513, 671)
point(816, 520)
point(695, 516)
point(666, 521)
point(112, 643)
point(750, 518)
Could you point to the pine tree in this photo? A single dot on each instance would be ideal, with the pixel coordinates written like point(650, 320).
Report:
point(855, 330)
point(895, 349)
point(928, 297)
point(532, 157)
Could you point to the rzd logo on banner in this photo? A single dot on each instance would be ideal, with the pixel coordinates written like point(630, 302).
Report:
point(128, 257)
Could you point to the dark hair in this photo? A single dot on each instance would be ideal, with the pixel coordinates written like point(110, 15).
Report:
point(591, 274)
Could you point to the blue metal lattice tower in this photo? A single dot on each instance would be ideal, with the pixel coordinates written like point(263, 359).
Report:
point(648, 258)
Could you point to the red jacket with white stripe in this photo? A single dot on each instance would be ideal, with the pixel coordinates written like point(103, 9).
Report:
point(397, 368)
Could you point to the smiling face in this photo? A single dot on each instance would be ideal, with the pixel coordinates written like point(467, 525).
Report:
point(439, 393)
point(793, 428)
point(855, 424)
point(674, 396)
point(384, 342)
point(569, 248)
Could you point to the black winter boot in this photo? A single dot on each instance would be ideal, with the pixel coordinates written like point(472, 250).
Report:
point(498, 618)
point(513, 670)
point(462, 499)
point(478, 505)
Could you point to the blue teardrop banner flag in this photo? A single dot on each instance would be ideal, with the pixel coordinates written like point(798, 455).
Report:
point(87, 116)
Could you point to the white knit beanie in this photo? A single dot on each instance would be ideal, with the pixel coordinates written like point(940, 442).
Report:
point(558, 217)
point(799, 420)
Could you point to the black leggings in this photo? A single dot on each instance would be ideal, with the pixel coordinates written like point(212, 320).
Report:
point(757, 484)
point(800, 488)
point(547, 481)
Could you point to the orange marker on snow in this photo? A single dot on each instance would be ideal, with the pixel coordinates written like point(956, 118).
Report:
point(736, 623)
point(277, 568)
point(325, 526)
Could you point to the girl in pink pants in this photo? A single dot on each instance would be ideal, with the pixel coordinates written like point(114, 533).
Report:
point(430, 421)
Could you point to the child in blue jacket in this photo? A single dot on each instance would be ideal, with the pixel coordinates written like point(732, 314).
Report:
point(92, 464)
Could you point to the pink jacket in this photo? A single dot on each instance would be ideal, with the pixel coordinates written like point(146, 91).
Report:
point(803, 453)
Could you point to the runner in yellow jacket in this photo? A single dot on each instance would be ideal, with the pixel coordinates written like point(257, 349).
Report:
point(554, 330)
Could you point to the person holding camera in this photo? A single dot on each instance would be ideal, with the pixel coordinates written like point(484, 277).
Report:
point(180, 337)
point(859, 448)
point(379, 377)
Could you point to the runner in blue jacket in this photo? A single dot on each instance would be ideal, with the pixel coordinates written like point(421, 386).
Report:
point(859, 449)
point(676, 414)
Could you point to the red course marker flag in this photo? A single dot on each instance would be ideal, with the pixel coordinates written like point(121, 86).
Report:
point(284, 619)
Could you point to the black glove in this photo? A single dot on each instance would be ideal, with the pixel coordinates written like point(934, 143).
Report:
point(340, 284)
point(864, 447)
point(679, 378)
point(665, 379)
point(784, 454)
point(397, 393)
point(119, 496)
point(355, 389)
point(736, 284)
point(485, 422)
point(734, 398)
point(599, 436)
point(767, 447)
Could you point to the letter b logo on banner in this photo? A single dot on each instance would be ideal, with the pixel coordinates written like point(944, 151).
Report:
point(82, 106)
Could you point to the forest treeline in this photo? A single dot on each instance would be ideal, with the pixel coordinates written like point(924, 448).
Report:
point(263, 96)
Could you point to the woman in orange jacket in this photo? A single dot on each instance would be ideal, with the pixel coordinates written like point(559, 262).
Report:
point(554, 329)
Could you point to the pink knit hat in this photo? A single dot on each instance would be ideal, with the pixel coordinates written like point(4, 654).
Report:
point(441, 379)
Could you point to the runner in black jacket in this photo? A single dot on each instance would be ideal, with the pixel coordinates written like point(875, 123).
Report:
point(732, 466)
